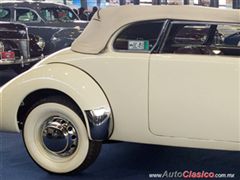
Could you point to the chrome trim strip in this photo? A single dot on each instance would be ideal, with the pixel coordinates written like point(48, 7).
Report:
point(100, 121)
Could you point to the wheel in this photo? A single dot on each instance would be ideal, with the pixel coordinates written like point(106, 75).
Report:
point(56, 137)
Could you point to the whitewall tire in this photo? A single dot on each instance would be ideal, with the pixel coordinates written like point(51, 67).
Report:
point(56, 137)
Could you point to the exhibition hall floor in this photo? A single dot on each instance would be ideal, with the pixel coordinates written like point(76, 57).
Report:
point(117, 160)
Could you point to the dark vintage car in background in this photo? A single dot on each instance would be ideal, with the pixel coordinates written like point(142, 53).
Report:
point(18, 49)
point(55, 26)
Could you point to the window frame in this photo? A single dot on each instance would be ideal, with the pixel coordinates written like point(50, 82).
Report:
point(10, 12)
point(65, 8)
point(174, 22)
point(155, 46)
point(39, 19)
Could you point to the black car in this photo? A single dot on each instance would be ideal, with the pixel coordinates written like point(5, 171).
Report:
point(18, 49)
point(55, 25)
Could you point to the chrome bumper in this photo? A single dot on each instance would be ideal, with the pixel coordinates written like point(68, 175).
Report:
point(100, 123)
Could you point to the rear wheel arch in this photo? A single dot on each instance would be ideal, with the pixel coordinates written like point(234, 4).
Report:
point(87, 94)
point(37, 95)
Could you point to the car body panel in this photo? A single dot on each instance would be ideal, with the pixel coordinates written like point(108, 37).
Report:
point(54, 76)
point(200, 93)
point(131, 129)
point(134, 126)
point(233, 39)
point(125, 81)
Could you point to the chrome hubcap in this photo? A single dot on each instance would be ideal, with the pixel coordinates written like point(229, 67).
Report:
point(59, 136)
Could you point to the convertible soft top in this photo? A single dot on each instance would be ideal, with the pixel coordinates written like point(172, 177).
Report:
point(107, 21)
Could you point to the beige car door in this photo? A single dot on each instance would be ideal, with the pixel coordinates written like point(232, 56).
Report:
point(194, 95)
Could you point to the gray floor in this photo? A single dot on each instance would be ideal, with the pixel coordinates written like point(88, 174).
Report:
point(119, 160)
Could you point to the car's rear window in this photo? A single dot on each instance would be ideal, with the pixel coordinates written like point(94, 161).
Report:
point(138, 37)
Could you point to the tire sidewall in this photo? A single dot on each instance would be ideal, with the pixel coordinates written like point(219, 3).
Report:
point(33, 140)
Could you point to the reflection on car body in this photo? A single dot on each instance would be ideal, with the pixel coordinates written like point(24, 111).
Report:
point(156, 77)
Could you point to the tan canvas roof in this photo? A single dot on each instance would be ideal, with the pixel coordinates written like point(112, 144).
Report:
point(107, 21)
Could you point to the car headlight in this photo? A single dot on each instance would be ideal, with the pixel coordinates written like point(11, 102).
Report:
point(41, 43)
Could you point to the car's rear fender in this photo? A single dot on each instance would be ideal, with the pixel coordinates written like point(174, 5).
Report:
point(69, 80)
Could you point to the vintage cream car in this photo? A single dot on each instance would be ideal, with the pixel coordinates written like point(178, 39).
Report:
point(159, 75)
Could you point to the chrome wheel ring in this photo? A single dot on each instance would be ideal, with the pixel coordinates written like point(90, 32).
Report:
point(59, 136)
